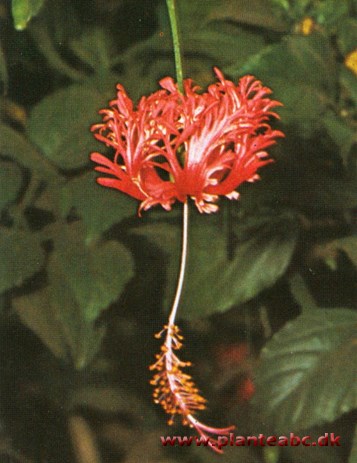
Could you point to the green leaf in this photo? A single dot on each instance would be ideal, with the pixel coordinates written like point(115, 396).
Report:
point(83, 281)
point(303, 106)
point(308, 370)
point(347, 36)
point(302, 73)
point(95, 274)
point(21, 257)
point(353, 454)
point(213, 281)
point(60, 124)
point(10, 182)
point(342, 134)
point(23, 11)
point(330, 13)
point(349, 82)
point(15, 146)
point(296, 59)
point(94, 48)
point(99, 207)
point(53, 315)
point(256, 13)
point(301, 293)
point(211, 41)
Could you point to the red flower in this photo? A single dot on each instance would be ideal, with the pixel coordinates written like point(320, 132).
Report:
point(131, 133)
point(175, 146)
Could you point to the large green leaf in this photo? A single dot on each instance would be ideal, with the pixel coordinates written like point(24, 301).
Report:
point(308, 370)
point(296, 59)
point(14, 145)
point(54, 316)
point(99, 207)
point(60, 124)
point(95, 274)
point(21, 257)
point(94, 47)
point(214, 282)
point(23, 11)
point(83, 281)
point(302, 73)
point(211, 41)
point(10, 182)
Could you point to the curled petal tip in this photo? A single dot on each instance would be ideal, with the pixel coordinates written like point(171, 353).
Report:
point(98, 158)
point(218, 73)
point(168, 83)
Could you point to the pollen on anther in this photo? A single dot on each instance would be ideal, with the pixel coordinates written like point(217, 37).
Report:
point(174, 389)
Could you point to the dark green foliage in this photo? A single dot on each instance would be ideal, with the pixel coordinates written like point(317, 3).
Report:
point(85, 282)
point(21, 257)
point(58, 122)
point(10, 182)
point(308, 372)
point(99, 211)
point(307, 64)
point(261, 255)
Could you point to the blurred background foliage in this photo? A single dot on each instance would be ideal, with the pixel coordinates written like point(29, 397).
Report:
point(269, 306)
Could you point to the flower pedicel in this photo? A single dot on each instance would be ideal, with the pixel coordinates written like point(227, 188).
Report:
point(180, 145)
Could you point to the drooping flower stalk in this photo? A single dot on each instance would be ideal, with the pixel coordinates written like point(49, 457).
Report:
point(174, 389)
point(185, 223)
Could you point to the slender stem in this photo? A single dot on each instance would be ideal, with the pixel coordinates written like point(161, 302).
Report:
point(181, 277)
point(171, 6)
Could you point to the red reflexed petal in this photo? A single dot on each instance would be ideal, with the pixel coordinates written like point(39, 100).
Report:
point(207, 143)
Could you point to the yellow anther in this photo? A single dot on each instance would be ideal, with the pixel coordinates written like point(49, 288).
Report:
point(351, 61)
point(306, 26)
